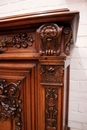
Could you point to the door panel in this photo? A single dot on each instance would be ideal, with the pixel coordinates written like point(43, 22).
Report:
point(17, 96)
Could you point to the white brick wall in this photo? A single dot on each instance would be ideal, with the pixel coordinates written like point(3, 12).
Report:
point(78, 75)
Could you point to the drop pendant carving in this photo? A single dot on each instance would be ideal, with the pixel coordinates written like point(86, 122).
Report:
point(51, 108)
point(10, 102)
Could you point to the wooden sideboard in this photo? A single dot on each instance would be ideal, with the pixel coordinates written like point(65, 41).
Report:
point(34, 72)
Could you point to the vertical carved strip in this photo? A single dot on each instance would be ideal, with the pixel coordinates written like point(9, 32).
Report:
point(51, 108)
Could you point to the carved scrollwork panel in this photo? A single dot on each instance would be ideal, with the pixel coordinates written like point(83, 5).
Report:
point(51, 74)
point(19, 41)
point(10, 102)
point(51, 109)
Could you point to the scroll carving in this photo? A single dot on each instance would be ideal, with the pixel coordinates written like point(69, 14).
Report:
point(51, 74)
point(19, 41)
point(51, 108)
point(10, 102)
point(54, 40)
point(67, 39)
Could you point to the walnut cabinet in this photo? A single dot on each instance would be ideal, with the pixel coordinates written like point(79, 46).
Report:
point(34, 71)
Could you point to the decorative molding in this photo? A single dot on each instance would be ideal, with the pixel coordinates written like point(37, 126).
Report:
point(10, 102)
point(51, 108)
point(54, 39)
point(19, 41)
point(51, 74)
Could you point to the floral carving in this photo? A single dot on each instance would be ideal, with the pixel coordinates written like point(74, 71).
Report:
point(51, 74)
point(22, 40)
point(51, 108)
point(10, 102)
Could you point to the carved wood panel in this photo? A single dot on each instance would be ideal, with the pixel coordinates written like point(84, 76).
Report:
point(51, 107)
point(16, 94)
point(19, 41)
point(51, 74)
point(10, 102)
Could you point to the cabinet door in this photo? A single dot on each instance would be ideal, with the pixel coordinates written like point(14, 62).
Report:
point(17, 95)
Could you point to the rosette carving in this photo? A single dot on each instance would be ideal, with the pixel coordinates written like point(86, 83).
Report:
point(22, 40)
point(10, 102)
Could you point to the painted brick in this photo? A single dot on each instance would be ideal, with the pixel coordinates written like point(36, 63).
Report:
point(78, 117)
point(85, 126)
point(73, 106)
point(82, 107)
point(10, 8)
point(3, 2)
point(74, 85)
point(81, 41)
point(75, 125)
point(78, 96)
point(83, 86)
point(78, 75)
point(79, 53)
point(82, 30)
point(75, 64)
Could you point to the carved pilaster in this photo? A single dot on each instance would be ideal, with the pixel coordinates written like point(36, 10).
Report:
point(51, 79)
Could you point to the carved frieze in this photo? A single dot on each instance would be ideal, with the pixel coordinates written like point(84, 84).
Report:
point(51, 74)
point(51, 108)
point(10, 102)
point(19, 41)
point(54, 39)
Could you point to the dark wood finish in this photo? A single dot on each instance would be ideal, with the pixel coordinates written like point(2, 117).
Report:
point(34, 72)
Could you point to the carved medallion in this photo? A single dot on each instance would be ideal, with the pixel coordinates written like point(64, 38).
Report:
point(51, 74)
point(51, 108)
point(10, 102)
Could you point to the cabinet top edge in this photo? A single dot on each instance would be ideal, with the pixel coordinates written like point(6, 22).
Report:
point(38, 17)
